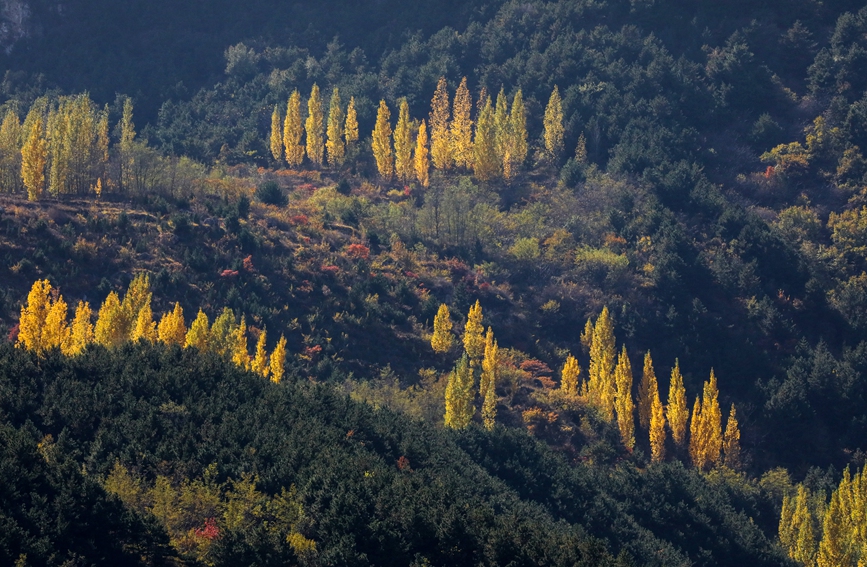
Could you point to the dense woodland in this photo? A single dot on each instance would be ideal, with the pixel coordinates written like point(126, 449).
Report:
point(562, 282)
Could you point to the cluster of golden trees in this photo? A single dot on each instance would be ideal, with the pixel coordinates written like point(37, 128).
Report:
point(323, 143)
point(479, 361)
point(43, 325)
point(821, 533)
point(609, 386)
point(61, 148)
point(493, 145)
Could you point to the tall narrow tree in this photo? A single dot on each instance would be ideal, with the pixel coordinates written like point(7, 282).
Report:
point(10, 152)
point(459, 396)
point(108, 331)
point(474, 339)
point(334, 145)
point(646, 388)
point(403, 163)
point(421, 157)
point(199, 334)
point(485, 161)
point(381, 142)
point(488, 382)
point(462, 127)
point(314, 127)
point(518, 147)
point(172, 329)
point(440, 142)
point(34, 156)
point(81, 330)
point(569, 377)
point(276, 138)
point(442, 338)
point(601, 384)
point(293, 130)
point(127, 137)
point(732, 441)
point(677, 412)
point(351, 129)
point(278, 358)
point(259, 364)
point(553, 126)
point(656, 428)
point(623, 400)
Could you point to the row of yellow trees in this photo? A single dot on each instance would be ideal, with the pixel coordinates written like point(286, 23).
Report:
point(44, 325)
point(821, 533)
point(608, 388)
point(494, 145)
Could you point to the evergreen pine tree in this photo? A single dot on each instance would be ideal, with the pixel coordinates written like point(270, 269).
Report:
point(442, 338)
point(677, 412)
point(334, 145)
point(381, 142)
point(403, 163)
point(276, 137)
point(440, 144)
point(314, 127)
point(422, 156)
point(553, 127)
point(292, 131)
point(623, 400)
point(462, 127)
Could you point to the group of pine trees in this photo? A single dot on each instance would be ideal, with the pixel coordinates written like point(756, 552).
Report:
point(491, 146)
point(817, 532)
point(44, 325)
point(62, 148)
point(608, 388)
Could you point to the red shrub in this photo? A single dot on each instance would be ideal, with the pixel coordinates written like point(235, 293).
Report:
point(358, 251)
point(229, 273)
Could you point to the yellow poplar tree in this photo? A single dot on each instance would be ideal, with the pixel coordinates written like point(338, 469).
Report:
point(657, 428)
point(646, 388)
point(442, 338)
point(220, 338)
point(601, 384)
point(314, 127)
point(10, 152)
point(422, 156)
point(403, 163)
point(145, 327)
point(351, 129)
point(259, 364)
point(199, 334)
point(459, 396)
point(697, 439)
point(462, 127)
point(712, 422)
point(501, 126)
point(172, 328)
point(278, 359)
point(334, 145)
point(623, 400)
point(381, 142)
point(553, 126)
point(732, 441)
point(587, 335)
point(33, 315)
point(127, 137)
point(834, 550)
point(137, 295)
point(569, 377)
point(276, 138)
point(485, 161)
point(474, 339)
point(518, 146)
point(55, 333)
point(109, 321)
point(581, 149)
point(439, 127)
point(34, 156)
point(292, 131)
point(488, 382)
point(240, 355)
point(677, 413)
point(81, 330)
